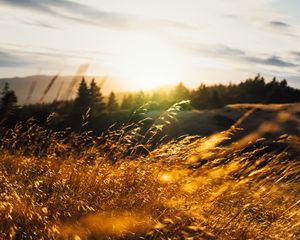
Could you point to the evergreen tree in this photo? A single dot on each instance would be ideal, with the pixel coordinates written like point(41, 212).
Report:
point(82, 101)
point(215, 100)
point(200, 97)
point(8, 101)
point(112, 104)
point(254, 90)
point(127, 102)
point(180, 93)
point(159, 101)
point(139, 99)
point(283, 83)
point(96, 98)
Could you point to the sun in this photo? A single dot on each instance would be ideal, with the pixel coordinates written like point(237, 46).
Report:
point(150, 63)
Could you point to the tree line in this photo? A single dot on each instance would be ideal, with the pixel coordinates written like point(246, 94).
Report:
point(91, 103)
point(252, 90)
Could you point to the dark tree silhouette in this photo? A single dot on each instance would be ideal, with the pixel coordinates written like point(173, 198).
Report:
point(215, 99)
point(82, 100)
point(159, 100)
point(139, 99)
point(127, 102)
point(8, 101)
point(180, 93)
point(201, 97)
point(112, 104)
point(88, 100)
point(96, 98)
point(250, 91)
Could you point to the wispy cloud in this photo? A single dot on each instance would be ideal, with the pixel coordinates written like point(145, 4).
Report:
point(11, 60)
point(271, 61)
point(16, 57)
point(85, 14)
point(69, 10)
point(279, 24)
point(294, 80)
point(42, 24)
point(225, 50)
point(296, 55)
point(219, 51)
point(235, 55)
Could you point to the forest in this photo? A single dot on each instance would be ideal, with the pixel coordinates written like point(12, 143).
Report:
point(103, 111)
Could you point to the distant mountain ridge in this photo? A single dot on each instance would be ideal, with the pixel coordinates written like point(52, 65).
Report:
point(37, 84)
point(31, 89)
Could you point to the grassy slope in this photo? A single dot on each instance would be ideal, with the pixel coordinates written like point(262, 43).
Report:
point(56, 186)
point(207, 122)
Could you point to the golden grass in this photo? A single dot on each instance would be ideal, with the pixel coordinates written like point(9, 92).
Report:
point(62, 185)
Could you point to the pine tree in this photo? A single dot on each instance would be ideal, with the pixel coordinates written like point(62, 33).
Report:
point(112, 104)
point(127, 102)
point(215, 99)
point(82, 100)
point(97, 104)
point(180, 93)
point(8, 101)
point(139, 99)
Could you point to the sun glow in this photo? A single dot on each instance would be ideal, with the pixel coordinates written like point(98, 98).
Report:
point(150, 63)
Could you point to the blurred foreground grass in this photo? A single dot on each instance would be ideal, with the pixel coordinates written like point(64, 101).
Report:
point(124, 185)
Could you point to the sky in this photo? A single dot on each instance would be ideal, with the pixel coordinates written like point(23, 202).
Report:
point(143, 44)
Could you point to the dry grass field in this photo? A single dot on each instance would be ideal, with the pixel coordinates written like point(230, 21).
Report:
point(125, 185)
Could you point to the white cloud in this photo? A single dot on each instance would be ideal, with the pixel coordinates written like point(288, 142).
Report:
point(241, 34)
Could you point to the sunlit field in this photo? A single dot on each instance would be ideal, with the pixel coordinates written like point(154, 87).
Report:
point(149, 119)
point(125, 185)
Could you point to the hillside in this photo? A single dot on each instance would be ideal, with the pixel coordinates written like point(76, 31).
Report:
point(63, 185)
point(266, 120)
